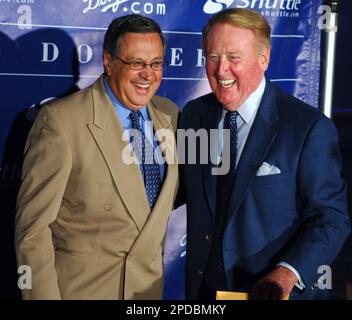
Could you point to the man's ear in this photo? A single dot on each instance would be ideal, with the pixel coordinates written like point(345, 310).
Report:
point(107, 59)
point(264, 58)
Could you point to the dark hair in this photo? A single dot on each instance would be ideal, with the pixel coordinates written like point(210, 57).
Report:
point(129, 23)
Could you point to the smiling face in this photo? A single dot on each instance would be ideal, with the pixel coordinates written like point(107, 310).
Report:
point(135, 88)
point(235, 63)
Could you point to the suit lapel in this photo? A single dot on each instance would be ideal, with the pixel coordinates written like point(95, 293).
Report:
point(259, 141)
point(163, 131)
point(157, 219)
point(165, 135)
point(209, 120)
point(107, 132)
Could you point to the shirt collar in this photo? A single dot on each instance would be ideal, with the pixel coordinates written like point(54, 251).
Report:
point(249, 107)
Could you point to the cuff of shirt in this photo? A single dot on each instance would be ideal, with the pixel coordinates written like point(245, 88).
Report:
point(300, 284)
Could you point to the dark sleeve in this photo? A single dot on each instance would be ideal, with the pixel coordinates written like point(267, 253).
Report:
point(322, 204)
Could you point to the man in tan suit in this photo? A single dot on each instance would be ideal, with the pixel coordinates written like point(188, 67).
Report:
point(90, 224)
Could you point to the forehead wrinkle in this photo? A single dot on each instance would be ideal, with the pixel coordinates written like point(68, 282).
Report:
point(142, 60)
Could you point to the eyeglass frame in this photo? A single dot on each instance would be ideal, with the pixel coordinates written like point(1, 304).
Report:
point(142, 64)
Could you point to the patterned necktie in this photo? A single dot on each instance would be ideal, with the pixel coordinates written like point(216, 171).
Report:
point(214, 276)
point(144, 153)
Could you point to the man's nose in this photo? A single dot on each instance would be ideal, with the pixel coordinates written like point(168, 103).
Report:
point(147, 72)
point(223, 66)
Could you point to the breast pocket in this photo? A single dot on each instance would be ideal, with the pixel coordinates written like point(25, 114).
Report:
point(274, 196)
point(270, 179)
point(273, 199)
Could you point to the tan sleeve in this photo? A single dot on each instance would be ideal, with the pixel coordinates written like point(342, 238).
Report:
point(45, 173)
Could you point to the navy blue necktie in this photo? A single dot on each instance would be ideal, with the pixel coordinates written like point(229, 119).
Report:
point(144, 153)
point(214, 276)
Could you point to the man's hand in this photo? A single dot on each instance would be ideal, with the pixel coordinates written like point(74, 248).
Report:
point(276, 285)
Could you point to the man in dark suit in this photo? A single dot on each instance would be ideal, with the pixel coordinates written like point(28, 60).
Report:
point(279, 213)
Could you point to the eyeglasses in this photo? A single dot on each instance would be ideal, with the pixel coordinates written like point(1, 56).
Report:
point(140, 65)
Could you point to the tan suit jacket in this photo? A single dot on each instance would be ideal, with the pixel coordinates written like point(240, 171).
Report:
point(83, 222)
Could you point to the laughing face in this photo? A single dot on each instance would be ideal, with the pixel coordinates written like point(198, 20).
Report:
point(235, 63)
point(135, 88)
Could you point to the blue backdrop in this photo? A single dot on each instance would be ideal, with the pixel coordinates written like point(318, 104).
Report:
point(50, 48)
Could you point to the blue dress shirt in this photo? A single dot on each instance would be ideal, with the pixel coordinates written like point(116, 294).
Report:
point(123, 114)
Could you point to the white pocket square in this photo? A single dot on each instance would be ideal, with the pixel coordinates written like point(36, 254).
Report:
point(267, 169)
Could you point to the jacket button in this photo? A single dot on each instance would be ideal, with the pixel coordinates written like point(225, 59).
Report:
point(122, 254)
point(208, 237)
point(107, 207)
point(200, 273)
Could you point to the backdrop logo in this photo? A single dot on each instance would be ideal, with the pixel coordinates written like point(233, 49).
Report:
point(214, 6)
point(126, 6)
point(269, 8)
point(19, 1)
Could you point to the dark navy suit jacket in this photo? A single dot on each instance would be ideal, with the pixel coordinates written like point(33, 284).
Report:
point(298, 216)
